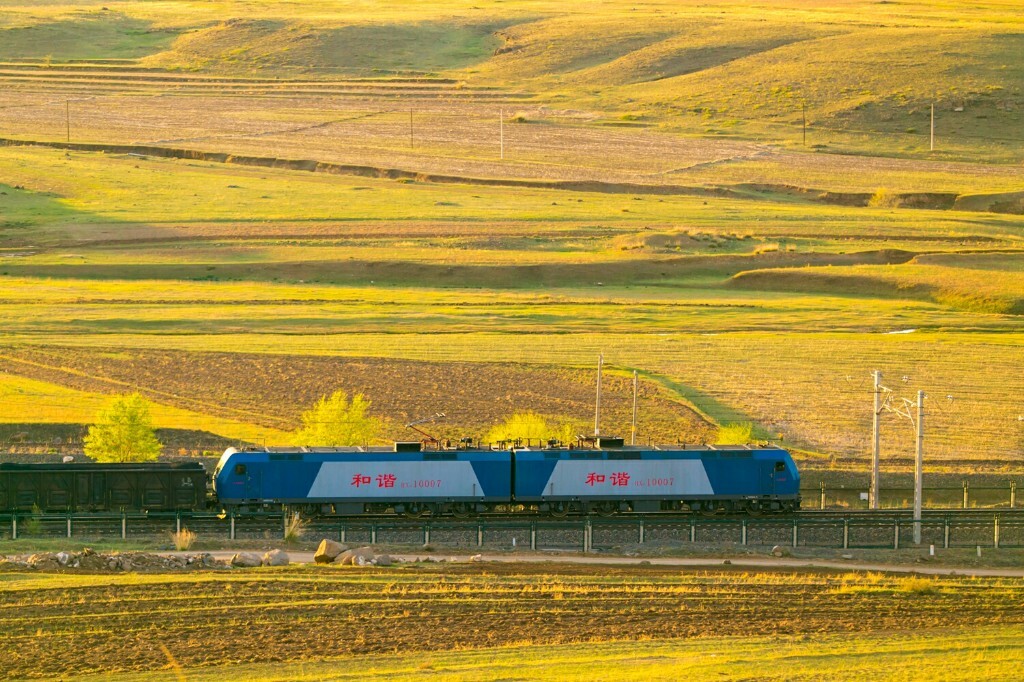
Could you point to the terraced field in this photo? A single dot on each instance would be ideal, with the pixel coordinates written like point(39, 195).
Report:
point(456, 207)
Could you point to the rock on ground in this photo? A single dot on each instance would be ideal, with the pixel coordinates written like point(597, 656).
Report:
point(779, 550)
point(276, 557)
point(246, 560)
point(328, 551)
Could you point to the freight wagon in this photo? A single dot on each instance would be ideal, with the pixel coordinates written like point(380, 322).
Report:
point(102, 487)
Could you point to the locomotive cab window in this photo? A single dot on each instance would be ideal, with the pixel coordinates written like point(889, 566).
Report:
point(780, 466)
point(240, 470)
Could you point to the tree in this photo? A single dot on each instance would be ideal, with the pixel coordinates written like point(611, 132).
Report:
point(333, 420)
point(123, 432)
point(524, 425)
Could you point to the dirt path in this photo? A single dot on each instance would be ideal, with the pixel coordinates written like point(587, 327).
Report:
point(694, 562)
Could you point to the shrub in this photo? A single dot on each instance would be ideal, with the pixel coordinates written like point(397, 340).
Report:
point(183, 539)
point(735, 434)
point(917, 586)
point(294, 527)
point(884, 198)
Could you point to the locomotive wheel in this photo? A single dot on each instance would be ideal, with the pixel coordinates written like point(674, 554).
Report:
point(463, 510)
point(559, 509)
point(416, 511)
point(606, 508)
point(754, 508)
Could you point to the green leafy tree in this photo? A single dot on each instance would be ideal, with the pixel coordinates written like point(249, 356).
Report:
point(334, 420)
point(524, 425)
point(123, 432)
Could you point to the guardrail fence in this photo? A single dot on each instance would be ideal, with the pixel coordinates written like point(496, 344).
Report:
point(1003, 529)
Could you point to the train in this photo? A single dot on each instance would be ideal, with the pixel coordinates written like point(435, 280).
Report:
point(600, 476)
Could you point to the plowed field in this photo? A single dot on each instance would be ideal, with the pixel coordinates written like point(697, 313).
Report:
point(121, 623)
point(273, 390)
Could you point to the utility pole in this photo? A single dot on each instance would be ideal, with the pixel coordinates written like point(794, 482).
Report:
point(805, 123)
point(597, 403)
point(873, 495)
point(501, 127)
point(67, 117)
point(918, 466)
point(635, 386)
point(931, 143)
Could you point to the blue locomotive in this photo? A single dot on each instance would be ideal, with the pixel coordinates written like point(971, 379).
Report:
point(606, 478)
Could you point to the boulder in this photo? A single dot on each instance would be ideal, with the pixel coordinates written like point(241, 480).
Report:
point(384, 560)
point(363, 556)
point(328, 551)
point(246, 560)
point(63, 558)
point(476, 558)
point(276, 557)
point(779, 550)
point(44, 561)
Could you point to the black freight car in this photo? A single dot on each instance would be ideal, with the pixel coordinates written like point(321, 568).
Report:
point(102, 487)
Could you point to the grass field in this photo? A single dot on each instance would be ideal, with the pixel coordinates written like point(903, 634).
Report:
point(480, 622)
point(476, 199)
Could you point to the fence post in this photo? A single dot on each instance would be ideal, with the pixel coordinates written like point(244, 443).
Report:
point(588, 537)
point(693, 530)
point(342, 533)
point(822, 506)
point(124, 525)
point(896, 534)
point(1013, 494)
point(995, 534)
point(14, 526)
point(641, 531)
point(965, 494)
point(480, 535)
point(69, 524)
point(426, 534)
point(373, 533)
point(743, 532)
point(945, 533)
point(533, 536)
point(177, 524)
point(846, 533)
point(796, 526)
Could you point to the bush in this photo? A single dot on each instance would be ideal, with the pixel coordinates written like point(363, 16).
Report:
point(183, 539)
point(294, 527)
point(917, 586)
point(735, 434)
point(884, 198)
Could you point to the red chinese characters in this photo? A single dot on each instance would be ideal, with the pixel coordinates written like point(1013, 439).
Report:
point(385, 480)
point(619, 478)
point(360, 480)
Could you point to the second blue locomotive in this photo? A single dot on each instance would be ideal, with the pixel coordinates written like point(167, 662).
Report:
point(606, 478)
